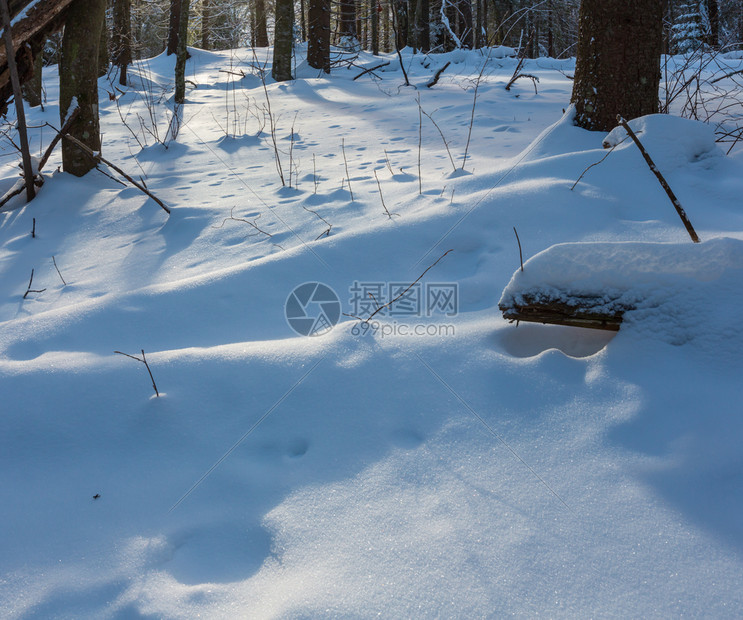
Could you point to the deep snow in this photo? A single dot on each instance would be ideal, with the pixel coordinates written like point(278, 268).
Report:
point(490, 471)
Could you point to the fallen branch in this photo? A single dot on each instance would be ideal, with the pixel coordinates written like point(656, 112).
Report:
point(661, 180)
point(143, 361)
point(240, 219)
point(436, 77)
point(371, 69)
point(97, 157)
point(58, 136)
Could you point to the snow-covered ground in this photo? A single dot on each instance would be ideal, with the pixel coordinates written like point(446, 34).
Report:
point(436, 462)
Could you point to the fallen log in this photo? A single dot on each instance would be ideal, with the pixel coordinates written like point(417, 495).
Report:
point(33, 22)
point(585, 312)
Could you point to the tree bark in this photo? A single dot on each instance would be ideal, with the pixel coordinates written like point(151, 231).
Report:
point(618, 62)
point(32, 91)
point(261, 30)
point(347, 19)
point(206, 14)
point(174, 26)
point(181, 53)
point(78, 79)
point(422, 26)
point(122, 37)
point(283, 40)
point(103, 50)
point(318, 45)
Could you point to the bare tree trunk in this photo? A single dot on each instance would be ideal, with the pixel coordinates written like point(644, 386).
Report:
point(283, 40)
point(32, 91)
point(401, 23)
point(375, 9)
point(103, 50)
point(318, 45)
point(206, 15)
point(347, 19)
point(78, 80)
point(422, 26)
point(261, 30)
point(122, 37)
point(181, 53)
point(173, 26)
point(618, 65)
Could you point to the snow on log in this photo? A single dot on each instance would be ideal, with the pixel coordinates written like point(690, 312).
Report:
point(595, 284)
point(33, 22)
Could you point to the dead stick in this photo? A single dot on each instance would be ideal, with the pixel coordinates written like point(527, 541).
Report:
point(99, 158)
point(58, 137)
point(28, 173)
point(29, 290)
point(436, 77)
point(521, 256)
point(661, 180)
point(54, 260)
point(371, 69)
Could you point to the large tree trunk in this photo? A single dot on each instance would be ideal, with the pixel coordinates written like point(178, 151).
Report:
point(181, 53)
point(122, 37)
point(78, 78)
point(283, 39)
point(618, 65)
point(318, 45)
point(103, 50)
point(261, 30)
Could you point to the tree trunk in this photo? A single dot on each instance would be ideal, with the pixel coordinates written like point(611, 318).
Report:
point(400, 22)
point(318, 45)
point(32, 88)
point(375, 9)
point(261, 30)
point(78, 78)
point(282, 41)
point(713, 12)
point(122, 37)
point(347, 20)
point(206, 14)
point(103, 50)
point(618, 62)
point(422, 26)
point(182, 53)
point(173, 26)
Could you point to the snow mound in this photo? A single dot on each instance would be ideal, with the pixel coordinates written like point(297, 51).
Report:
point(621, 276)
point(671, 141)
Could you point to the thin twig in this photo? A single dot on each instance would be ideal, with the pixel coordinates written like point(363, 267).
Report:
point(420, 140)
point(54, 260)
point(521, 256)
point(596, 163)
point(389, 303)
point(389, 215)
point(240, 219)
point(29, 290)
point(443, 139)
point(345, 163)
point(143, 361)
